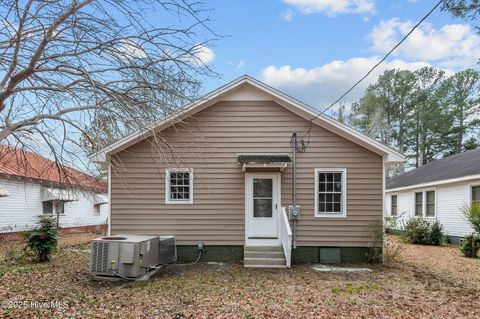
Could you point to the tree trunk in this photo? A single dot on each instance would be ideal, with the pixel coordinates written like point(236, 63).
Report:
point(460, 132)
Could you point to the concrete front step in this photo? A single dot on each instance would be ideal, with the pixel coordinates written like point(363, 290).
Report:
point(264, 261)
point(264, 257)
point(265, 266)
point(263, 254)
point(262, 248)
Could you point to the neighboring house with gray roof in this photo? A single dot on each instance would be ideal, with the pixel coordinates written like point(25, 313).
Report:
point(437, 190)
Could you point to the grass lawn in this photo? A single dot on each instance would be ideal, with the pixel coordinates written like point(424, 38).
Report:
point(418, 287)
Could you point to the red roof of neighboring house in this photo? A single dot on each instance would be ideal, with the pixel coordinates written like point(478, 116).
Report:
point(18, 162)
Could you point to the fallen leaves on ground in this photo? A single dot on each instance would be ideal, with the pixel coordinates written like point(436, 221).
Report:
point(229, 291)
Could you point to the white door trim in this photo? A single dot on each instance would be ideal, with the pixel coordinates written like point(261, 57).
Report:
point(262, 242)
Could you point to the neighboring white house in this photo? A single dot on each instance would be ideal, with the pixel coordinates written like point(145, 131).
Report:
point(31, 185)
point(437, 190)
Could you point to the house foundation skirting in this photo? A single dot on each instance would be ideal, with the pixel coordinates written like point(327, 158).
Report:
point(302, 254)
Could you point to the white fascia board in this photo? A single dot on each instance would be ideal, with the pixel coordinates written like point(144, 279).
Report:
point(390, 155)
point(435, 183)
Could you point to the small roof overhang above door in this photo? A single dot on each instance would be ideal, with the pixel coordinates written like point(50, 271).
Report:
point(279, 161)
point(64, 195)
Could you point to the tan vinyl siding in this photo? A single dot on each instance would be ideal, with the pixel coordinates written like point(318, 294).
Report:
point(209, 143)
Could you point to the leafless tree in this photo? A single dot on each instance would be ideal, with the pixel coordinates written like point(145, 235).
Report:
point(76, 75)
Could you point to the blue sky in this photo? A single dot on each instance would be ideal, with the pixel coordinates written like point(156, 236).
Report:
point(315, 49)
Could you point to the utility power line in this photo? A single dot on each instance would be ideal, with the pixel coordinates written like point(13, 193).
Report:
point(377, 64)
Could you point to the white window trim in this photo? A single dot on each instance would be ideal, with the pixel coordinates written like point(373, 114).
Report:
point(424, 209)
point(415, 203)
point(167, 185)
point(390, 208)
point(470, 192)
point(424, 202)
point(343, 214)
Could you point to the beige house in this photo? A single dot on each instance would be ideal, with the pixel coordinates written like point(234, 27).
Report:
point(220, 172)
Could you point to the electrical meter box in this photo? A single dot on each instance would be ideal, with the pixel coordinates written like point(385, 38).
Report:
point(294, 212)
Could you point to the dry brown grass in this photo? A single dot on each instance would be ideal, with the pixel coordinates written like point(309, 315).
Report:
point(446, 262)
point(416, 288)
point(13, 251)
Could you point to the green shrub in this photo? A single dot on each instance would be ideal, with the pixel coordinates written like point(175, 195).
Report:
point(436, 236)
point(43, 240)
point(391, 224)
point(415, 231)
point(470, 246)
point(420, 231)
point(375, 230)
point(472, 215)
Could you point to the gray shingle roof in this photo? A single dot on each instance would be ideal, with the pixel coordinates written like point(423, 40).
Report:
point(460, 165)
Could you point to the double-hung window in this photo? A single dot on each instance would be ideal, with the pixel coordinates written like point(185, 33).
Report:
point(425, 204)
point(430, 204)
point(419, 204)
point(394, 205)
point(48, 207)
point(330, 192)
point(179, 186)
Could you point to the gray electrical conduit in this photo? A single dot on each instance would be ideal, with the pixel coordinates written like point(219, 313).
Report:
point(195, 262)
point(158, 266)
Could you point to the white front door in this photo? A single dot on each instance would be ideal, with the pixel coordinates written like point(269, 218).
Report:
point(262, 203)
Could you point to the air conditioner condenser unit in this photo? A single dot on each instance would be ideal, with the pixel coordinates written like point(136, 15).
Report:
point(132, 257)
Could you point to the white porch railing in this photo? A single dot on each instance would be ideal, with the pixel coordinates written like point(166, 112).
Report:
point(286, 236)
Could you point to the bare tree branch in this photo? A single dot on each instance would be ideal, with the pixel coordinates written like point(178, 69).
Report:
point(83, 73)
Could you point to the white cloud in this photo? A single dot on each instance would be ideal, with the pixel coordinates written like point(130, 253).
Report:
point(333, 7)
point(204, 54)
point(320, 86)
point(287, 15)
point(451, 46)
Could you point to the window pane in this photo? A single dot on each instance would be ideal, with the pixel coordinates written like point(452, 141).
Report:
point(394, 200)
point(47, 207)
point(329, 177)
point(338, 186)
point(418, 210)
point(337, 198)
point(418, 198)
point(418, 204)
point(338, 177)
point(337, 208)
point(329, 208)
point(431, 197)
point(430, 212)
point(329, 198)
point(321, 187)
point(262, 187)
point(475, 193)
point(321, 202)
point(262, 207)
point(394, 205)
